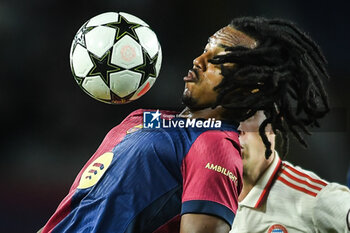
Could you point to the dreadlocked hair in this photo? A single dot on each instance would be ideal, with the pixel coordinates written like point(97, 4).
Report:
point(282, 76)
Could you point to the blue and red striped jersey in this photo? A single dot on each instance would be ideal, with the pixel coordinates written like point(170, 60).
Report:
point(143, 180)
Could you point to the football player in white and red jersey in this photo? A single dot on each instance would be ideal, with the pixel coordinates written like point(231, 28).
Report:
point(280, 197)
point(280, 81)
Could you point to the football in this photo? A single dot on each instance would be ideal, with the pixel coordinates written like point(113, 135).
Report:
point(115, 57)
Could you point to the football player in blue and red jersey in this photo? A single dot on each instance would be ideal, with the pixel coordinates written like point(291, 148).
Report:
point(165, 179)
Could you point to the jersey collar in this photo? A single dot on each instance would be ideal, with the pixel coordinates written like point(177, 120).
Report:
point(261, 189)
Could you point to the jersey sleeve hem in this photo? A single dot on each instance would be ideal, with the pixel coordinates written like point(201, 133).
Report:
point(210, 208)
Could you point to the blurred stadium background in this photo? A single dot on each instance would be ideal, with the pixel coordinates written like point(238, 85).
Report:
point(50, 127)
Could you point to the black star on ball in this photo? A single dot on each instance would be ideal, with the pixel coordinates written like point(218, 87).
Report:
point(147, 69)
point(124, 27)
point(102, 66)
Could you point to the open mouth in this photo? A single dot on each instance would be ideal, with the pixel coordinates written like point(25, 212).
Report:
point(191, 76)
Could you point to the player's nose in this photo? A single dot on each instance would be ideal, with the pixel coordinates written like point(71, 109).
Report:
point(201, 62)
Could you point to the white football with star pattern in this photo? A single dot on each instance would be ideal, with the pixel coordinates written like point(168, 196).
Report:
point(115, 57)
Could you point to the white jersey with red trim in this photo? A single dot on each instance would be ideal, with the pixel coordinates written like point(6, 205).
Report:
point(290, 199)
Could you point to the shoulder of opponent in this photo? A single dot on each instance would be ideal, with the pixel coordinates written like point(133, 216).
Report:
point(331, 212)
point(304, 181)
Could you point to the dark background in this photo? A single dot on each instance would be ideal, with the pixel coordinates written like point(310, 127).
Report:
point(50, 128)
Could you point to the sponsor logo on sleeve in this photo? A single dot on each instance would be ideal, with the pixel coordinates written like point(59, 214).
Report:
point(223, 171)
point(95, 170)
point(277, 228)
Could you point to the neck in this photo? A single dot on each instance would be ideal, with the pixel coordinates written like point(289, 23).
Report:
point(252, 174)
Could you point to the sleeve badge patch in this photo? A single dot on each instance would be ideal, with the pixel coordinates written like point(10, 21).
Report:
point(277, 228)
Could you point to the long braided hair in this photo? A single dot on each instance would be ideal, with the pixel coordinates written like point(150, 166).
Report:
point(282, 76)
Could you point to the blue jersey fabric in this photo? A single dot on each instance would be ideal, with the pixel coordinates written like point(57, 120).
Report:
point(142, 187)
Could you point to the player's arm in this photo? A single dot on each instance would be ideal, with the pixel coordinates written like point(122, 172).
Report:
point(39, 231)
point(200, 223)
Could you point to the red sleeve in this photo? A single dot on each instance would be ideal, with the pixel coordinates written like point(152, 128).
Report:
point(212, 175)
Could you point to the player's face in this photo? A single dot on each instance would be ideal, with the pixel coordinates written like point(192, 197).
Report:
point(252, 145)
point(199, 90)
